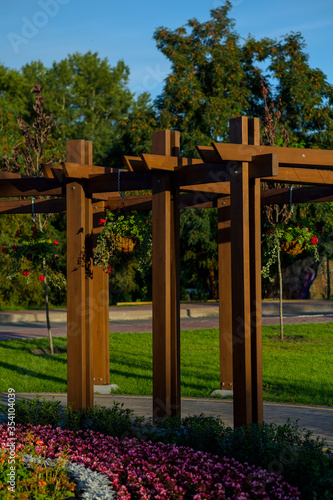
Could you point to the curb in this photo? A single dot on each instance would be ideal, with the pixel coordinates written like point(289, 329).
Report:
point(269, 309)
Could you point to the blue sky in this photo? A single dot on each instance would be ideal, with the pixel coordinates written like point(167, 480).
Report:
point(48, 30)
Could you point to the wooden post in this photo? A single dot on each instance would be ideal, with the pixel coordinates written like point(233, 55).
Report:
point(101, 356)
point(240, 269)
point(79, 287)
point(225, 305)
point(255, 278)
point(166, 295)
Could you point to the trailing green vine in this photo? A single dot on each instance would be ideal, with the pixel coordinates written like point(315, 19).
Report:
point(292, 239)
point(123, 234)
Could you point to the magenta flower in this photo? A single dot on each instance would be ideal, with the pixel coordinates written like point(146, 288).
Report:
point(139, 469)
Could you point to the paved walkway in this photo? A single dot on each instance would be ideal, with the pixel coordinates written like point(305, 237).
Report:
point(318, 419)
point(138, 318)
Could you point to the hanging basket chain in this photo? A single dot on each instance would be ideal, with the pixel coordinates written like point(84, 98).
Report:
point(291, 199)
point(122, 194)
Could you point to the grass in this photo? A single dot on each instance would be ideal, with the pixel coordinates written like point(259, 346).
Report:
point(297, 370)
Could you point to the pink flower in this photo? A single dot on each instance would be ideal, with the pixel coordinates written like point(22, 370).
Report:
point(154, 470)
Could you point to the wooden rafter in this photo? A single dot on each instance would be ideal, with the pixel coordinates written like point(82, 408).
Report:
point(74, 170)
point(307, 158)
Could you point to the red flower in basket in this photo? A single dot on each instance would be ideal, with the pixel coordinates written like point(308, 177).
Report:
point(101, 221)
point(314, 240)
point(55, 243)
point(41, 278)
point(26, 272)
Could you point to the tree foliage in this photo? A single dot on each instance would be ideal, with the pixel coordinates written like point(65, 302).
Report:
point(208, 81)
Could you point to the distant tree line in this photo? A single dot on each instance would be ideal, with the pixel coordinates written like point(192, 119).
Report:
point(214, 76)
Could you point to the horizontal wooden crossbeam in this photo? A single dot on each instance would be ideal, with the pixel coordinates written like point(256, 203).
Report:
point(52, 206)
point(128, 181)
point(316, 194)
point(307, 158)
point(31, 186)
point(9, 175)
point(293, 175)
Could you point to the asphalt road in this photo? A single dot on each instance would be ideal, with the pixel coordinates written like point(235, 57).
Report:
point(26, 329)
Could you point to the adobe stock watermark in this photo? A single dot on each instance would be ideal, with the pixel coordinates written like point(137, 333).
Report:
point(11, 440)
point(219, 3)
point(30, 27)
point(152, 79)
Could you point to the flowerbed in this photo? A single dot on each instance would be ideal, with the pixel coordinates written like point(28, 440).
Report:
point(143, 470)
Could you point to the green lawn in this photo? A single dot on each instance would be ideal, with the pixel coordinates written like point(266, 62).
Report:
point(298, 370)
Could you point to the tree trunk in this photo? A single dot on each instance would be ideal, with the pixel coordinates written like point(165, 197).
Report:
point(47, 307)
point(280, 292)
point(328, 274)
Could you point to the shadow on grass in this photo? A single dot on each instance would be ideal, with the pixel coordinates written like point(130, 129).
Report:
point(31, 373)
point(37, 344)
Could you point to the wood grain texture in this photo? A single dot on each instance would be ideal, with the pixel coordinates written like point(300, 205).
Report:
point(166, 289)
point(255, 281)
point(225, 299)
point(79, 288)
point(240, 271)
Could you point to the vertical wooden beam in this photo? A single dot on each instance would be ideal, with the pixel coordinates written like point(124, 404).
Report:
point(255, 278)
point(166, 142)
point(79, 283)
point(240, 269)
point(101, 361)
point(225, 304)
point(166, 288)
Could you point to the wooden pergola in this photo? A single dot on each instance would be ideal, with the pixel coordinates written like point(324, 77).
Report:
point(228, 177)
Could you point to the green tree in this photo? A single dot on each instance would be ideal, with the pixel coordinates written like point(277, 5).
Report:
point(208, 83)
point(302, 94)
point(28, 158)
point(13, 104)
point(198, 246)
point(134, 131)
point(88, 98)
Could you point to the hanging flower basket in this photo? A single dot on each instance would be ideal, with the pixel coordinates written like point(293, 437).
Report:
point(125, 244)
point(292, 239)
point(122, 233)
point(32, 252)
point(292, 247)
